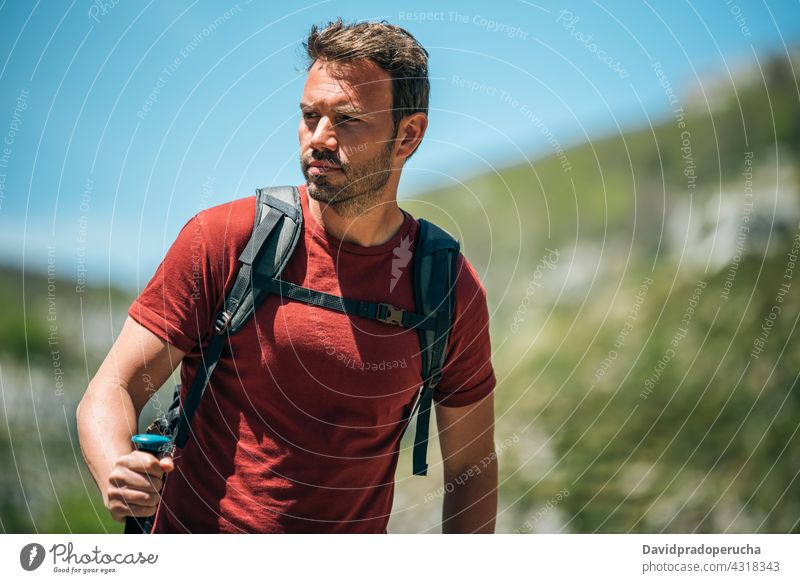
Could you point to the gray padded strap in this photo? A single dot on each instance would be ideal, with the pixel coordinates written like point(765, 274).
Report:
point(267, 253)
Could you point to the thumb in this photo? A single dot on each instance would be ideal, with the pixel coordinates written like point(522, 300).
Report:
point(167, 464)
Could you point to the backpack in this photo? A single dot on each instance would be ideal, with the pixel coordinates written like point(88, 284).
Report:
point(277, 228)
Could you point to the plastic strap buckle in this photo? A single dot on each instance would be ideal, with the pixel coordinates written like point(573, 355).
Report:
point(390, 314)
point(222, 322)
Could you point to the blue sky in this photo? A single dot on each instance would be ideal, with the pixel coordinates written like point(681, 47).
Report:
point(125, 118)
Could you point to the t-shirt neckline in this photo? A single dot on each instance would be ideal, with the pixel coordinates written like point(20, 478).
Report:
point(338, 246)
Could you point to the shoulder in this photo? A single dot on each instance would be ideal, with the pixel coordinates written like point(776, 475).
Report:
point(228, 225)
point(214, 238)
point(470, 291)
point(228, 221)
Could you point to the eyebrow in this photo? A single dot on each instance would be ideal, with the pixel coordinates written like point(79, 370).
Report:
point(348, 110)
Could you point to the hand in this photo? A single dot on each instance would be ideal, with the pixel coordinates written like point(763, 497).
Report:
point(134, 484)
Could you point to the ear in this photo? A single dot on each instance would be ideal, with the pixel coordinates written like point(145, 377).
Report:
point(410, 133)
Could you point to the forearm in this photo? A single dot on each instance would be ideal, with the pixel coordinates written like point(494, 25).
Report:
point(106, 420)
point(470, 505)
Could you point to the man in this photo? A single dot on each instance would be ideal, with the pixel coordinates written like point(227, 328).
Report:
point(299, 430)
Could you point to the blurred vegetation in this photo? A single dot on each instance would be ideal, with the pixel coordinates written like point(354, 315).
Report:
point(714, 446)
point(53, 339)
point(711, 447)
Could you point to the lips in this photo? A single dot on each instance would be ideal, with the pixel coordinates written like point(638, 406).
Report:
point(317, 167)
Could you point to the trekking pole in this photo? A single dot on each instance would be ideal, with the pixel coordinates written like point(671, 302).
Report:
point(157, 445)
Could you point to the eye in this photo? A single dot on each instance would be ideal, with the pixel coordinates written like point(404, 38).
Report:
point(309, 115)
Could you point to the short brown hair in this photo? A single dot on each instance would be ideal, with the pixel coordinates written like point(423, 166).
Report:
point(392, 48)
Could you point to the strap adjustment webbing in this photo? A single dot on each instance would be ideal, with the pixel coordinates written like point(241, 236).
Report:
point(382, 312)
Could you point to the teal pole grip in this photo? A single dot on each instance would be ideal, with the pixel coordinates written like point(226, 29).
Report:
point(158, 446)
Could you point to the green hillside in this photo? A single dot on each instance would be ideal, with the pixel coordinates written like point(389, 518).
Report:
point(710, 446)
point(53, 339)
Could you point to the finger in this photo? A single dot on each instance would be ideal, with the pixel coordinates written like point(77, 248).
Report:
point(138, 497)
point(122, 477)
point(143, 463)
point(120, 509)
point(138, 510)
point(167, 464)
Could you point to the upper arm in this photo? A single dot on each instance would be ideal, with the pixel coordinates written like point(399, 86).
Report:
point(466, 434)
point(139, 362)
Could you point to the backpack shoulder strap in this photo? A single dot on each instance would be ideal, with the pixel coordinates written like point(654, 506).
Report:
point(276, 230)
point(435, 262)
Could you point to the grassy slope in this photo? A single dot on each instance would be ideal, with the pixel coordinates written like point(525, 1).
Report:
point(692, 454)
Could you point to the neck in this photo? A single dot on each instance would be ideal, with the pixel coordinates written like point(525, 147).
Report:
point(370, 228)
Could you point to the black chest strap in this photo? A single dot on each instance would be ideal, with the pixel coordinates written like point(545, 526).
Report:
point(382, 312)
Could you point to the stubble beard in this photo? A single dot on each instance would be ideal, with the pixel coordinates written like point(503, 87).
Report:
point(363, 187)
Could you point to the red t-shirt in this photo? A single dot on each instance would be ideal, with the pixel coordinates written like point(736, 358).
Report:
point(300, 426)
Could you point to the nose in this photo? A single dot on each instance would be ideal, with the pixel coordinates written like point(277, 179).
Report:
point(324, 136)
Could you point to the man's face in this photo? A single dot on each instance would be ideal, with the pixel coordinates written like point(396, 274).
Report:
point(346, 134)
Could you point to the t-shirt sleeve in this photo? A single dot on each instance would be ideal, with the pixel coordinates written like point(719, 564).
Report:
point(176, 304)
point(467, 375)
